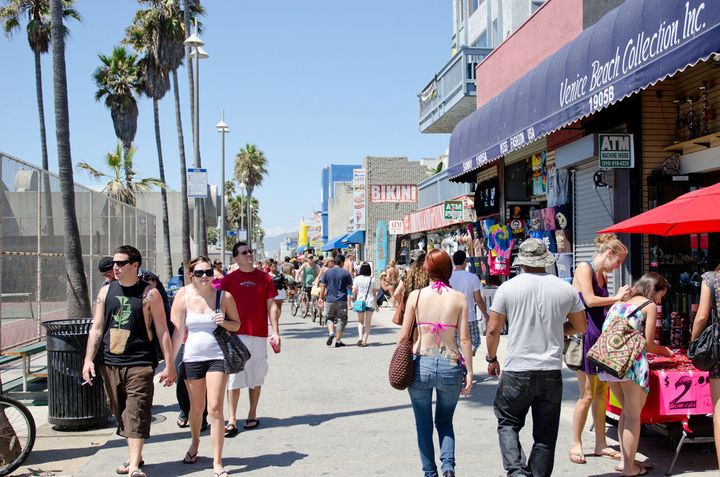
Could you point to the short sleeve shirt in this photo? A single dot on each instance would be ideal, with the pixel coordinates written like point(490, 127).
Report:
point(337, 281)
point(466, 283)
point(536, 306)
point(365, 286)
point(251, 292)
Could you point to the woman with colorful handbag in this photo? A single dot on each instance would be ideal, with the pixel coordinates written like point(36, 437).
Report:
point(439, 316)
point(705, 342)
point(623, 338)
point(364, 290)
point(590, 280)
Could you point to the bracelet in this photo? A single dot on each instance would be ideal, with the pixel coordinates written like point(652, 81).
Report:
point(490, 360)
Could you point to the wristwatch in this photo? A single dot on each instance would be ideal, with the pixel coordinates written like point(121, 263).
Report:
point(490, 360)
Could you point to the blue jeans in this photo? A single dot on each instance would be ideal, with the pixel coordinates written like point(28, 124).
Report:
point(446, 377)
point(517, 393)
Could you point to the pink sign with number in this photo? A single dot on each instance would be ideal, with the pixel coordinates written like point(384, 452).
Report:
point(684, 392)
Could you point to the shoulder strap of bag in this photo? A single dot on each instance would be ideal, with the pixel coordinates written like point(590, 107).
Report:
point(639, 308)
point(368, 288)
point(716, 295)
point(412, 327)
point(218, 302)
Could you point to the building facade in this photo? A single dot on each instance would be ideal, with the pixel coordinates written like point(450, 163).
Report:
point(330, 176)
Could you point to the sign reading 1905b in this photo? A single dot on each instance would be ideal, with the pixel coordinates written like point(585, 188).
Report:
point(616, 151)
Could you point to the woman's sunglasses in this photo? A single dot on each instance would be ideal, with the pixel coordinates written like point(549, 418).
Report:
point(200, 273)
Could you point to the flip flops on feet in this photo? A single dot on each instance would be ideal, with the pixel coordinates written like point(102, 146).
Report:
point(190, 458)
point(609, 453)
point(182, 423)
point(138, 473)
point(251, 423)
point(577, 457)
point(123, 469)
point(220, 474)
point(231, 430)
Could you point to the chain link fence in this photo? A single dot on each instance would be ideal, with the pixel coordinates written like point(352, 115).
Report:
point(32, 262)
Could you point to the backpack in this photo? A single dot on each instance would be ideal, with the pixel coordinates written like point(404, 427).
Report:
point(279, 281)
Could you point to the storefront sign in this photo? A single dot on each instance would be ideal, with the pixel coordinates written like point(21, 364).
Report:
point(197, 184)
point(393, 193)
point(395, 227)
point(616, 151)
point(358, 184)
point(453, 210)
point(631, 47)
point(381, 245)
point(433, 218)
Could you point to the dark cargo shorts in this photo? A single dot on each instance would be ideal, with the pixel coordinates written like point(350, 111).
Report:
point(130, 390)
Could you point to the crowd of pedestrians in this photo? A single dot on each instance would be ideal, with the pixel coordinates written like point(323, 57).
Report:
point(436, 300)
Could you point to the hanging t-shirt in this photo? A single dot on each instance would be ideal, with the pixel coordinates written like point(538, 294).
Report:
point(564, 264)
point(557, 186)
point(548, 215)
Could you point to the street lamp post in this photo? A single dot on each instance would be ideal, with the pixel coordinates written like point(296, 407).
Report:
point(222, 128)
point(243, 212)
point(200, 228)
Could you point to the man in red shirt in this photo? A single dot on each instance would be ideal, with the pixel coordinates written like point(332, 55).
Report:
point(254, 294)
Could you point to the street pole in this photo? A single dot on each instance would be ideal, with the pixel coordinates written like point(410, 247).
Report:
point(223, 128)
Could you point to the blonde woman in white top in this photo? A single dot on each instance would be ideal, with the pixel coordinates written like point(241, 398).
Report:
point(196, 310)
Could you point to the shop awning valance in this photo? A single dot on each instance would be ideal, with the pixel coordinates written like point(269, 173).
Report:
point(357, 237)
point(632, 47)
point(334, 243)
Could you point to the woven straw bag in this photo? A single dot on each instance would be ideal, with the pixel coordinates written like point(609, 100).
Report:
point(402, 367)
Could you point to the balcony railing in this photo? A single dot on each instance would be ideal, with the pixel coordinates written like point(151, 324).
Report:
point(450, 96)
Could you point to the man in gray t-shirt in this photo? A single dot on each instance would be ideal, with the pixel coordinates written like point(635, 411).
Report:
point(539, 309)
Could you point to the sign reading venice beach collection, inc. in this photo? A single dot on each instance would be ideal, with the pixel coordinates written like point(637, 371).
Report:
point(630, 48)
point(393, 193)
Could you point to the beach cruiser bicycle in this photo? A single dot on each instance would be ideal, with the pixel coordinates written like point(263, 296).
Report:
point(17, 434)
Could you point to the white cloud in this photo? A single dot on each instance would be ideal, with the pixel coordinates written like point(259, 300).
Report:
point(278, 229)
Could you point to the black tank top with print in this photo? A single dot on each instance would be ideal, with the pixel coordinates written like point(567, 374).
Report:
point(125, 340)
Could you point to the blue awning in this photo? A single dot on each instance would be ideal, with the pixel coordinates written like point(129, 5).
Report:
point(632, 47)
point(334, 243)
point(302, 248)
point(357, 237)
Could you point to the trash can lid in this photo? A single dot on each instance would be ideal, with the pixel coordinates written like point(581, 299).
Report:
point(71, 327)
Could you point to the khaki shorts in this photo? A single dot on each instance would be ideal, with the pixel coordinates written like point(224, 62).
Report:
point(130, 390)
point(337, 313)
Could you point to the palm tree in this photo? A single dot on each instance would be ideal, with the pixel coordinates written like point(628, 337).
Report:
point(120, 187)
point(144, 36)
point(38, 35)
point(78, 298)
point(250, 168)
point(118, 81)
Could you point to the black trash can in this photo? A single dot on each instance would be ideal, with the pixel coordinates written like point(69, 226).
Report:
point(72, 406)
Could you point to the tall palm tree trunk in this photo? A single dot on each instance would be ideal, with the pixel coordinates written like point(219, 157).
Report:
point(126, 146)
point(78, 300)
point(49, 226)
point(163, 194)
point(183, 175)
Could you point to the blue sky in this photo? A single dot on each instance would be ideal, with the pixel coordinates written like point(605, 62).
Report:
point(310, 83)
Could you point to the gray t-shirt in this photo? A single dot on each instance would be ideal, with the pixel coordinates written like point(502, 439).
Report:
point(467, 283)
point(536, 306)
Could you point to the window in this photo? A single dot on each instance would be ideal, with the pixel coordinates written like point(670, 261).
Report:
point(535, 4)
point(481, 41)
point(472, 6)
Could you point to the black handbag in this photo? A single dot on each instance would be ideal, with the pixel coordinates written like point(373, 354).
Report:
point(704, 351)
point(233, 349)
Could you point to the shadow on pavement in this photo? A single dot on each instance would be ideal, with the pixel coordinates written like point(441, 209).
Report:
point(245, 464)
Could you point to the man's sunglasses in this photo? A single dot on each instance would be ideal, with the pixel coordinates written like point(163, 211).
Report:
point(247, 252)
point(121, 263)
point(200, 273)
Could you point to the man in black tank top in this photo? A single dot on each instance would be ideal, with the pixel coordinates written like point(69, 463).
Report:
point(129, 321)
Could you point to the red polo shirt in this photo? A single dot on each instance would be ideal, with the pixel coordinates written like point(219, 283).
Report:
point(251, 292)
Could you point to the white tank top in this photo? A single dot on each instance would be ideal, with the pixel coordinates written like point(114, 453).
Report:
point(201, 344)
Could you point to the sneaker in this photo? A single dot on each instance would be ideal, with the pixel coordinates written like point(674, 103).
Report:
point(330, 340)
point(339, 344)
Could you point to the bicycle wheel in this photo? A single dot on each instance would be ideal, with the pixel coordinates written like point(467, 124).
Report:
point(17, 434)
point(304, 305)
point(294, 306)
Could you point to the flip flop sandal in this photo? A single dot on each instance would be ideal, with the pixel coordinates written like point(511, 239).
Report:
point(123, 469)
point(609, 453)
point(221, 474)
point(231, 430)
point(182, 423)
point(251, 423)
point(138, 473)
point(577, 458)
point(190, 459)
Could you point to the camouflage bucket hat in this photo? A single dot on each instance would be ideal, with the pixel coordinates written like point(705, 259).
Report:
point(534, 253)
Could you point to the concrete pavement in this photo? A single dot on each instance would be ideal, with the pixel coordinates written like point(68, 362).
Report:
point(330, 411)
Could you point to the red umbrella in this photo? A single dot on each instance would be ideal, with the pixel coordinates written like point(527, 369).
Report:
point(693, 213)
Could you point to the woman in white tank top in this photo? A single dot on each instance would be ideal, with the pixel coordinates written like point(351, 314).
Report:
point(199, 310)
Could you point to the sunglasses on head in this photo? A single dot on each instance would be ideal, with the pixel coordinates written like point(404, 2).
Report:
point(247, 252)
point(200, 273)
point(120, 263)
point(148, 276)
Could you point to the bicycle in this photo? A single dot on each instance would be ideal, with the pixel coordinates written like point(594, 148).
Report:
point(294, 300)
point(17, 434)
point(304, 302)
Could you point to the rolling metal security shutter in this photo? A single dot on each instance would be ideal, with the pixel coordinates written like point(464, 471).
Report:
point(590, 213)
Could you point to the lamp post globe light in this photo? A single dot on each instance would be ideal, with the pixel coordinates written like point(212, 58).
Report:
point(222, 128)
point(199, 228)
